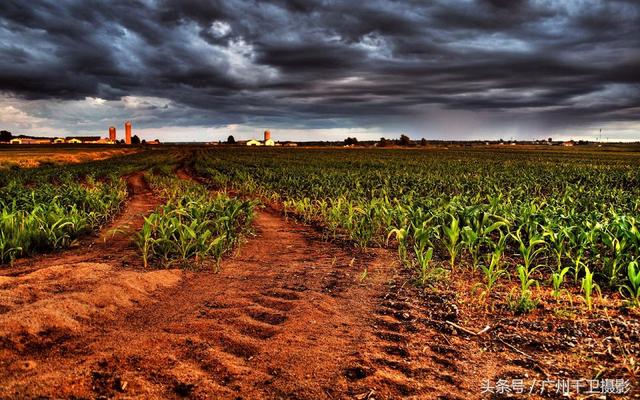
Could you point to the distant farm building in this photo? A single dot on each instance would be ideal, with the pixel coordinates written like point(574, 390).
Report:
point(30, 141)
point(60, 140)
point(88, 140)
point(266, 142)
point(569, 143)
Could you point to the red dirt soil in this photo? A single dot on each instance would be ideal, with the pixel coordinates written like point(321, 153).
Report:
point(287, 316)
point(56, 294)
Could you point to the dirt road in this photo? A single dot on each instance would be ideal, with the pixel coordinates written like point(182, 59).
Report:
point(287, 316)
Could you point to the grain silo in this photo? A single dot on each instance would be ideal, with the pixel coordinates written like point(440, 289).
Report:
point(112, 134)
point(127, 132)
point(267, 139)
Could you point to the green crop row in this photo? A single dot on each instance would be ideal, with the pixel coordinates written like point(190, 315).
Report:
point(193, 224)
point(55, 224)
point(48, 208)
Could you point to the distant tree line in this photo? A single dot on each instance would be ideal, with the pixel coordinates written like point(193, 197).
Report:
point(404, 141)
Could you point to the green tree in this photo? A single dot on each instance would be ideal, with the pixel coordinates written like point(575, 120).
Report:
point(5, 136)
point(405, 141)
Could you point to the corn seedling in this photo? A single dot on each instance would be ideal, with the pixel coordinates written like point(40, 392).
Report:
point(400, 235)
point(452, 239)
point(557, 279)
point(631, 291)
point(588, 287)
point(363, 275)
point(524, 301)
point(492, 273)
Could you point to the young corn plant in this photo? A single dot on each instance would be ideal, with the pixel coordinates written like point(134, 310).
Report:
point(423, 250)
point(614, 262)
point(529, 250)
point(578, 264)
point(400, 235)
point(631, 291)
point(494, 270)
point(524, 302)
point(557, 279)
point(145, 238)
point(558, 242)
point(423, 259)
point(588, 287)
point(428, 274)
point(477, 232)
point(452, 239)
point(492, 273)
point(471, 241)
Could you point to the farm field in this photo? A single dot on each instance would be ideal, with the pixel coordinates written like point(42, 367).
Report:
point(30, 156)
point(231, 272)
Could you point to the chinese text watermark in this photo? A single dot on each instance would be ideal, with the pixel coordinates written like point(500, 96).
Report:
point(557, 386)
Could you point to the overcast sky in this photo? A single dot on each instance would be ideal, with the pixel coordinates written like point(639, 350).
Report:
point(322, 70)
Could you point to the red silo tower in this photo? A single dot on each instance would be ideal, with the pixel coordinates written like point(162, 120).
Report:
point(127, 132)
point(112, 134)
point(267, 135)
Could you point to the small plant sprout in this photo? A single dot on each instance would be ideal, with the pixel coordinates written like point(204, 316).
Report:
point(528, 250)
point(400, 235)
point(557, 279)
point(492, 273)
point(452, 239)
point(588, 287)
point(631, 291)
point(423, 259)
point(363, 275)
point(524, 302)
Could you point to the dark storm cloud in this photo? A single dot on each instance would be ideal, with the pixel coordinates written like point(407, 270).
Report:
point(329, 63)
